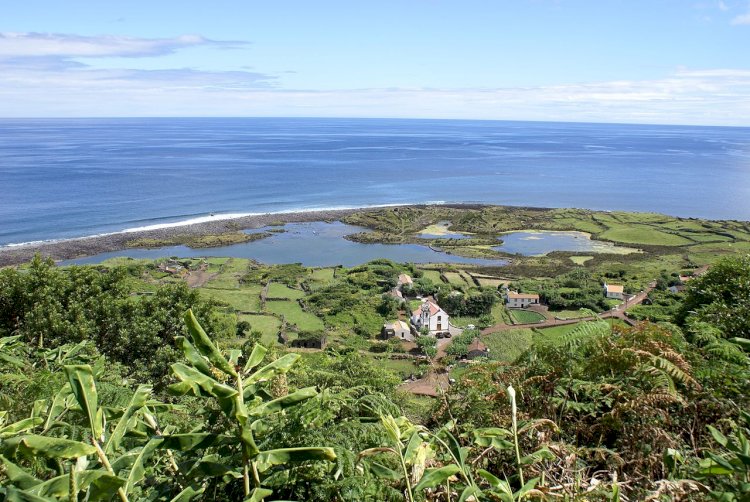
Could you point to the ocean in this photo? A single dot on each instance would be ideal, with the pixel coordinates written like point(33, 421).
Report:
point(64, 178)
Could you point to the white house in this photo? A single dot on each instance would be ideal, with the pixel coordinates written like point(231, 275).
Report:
point(398, 329)
point(431, 315)
point(514, 299)
point(613, 291)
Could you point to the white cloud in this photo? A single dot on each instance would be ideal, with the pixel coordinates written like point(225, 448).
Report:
point(707, 96)
point(722, 6)
point(741, 19)
point(20, 45)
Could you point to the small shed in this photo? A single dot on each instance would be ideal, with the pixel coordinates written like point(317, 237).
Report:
point(310, 342)
point(477, 349)
point(397, 329)
point(404, 279)
point(396, 293)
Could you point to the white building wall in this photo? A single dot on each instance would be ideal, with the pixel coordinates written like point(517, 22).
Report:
point(431, 321)
point(520, 302)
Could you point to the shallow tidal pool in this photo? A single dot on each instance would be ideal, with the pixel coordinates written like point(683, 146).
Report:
point(315, 244)
point(541, 242)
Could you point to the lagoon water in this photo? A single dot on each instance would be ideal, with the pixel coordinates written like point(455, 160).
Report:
point(62, 178)
point(315, 244)
point(539, 243)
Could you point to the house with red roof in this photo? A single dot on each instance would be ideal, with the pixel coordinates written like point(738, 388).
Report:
point(431, 315)
point(616, 291)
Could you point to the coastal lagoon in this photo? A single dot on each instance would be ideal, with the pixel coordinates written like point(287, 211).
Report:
point(315, 244)
point(541, 242)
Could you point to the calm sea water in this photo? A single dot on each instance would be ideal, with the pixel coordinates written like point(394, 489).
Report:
point(62, 178)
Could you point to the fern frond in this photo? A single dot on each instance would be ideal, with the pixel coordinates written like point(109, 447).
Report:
point(586, 331)
point(677, 373)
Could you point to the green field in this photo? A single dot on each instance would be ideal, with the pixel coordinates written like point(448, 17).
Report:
point(246, 299)
point(223, 280)
point(489, 281)
point(552, 335)
point(402, 367)
point(217, 260)
point(278, 290)
point(322, 274)
point(467, 278)
point(228, 273)
point(570, 314)
point(463, 321)
point(432, 275)
point(266, 324)
point(525, 316)
point(508, 345)
point(581, 260)
point(456, 279)
point(643, 234)
point(293, 314)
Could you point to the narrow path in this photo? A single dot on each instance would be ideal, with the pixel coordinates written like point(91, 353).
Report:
point(197, 278)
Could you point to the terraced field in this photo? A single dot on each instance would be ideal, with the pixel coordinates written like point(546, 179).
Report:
point(246, 299)
point(294, 314)
point(277, 290)
point(266, 324)
point(525, 316)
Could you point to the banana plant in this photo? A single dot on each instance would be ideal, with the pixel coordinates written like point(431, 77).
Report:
point(409, 445)
point(407, 441)
point(239, 391)
point(98, 469)
point(731, 467)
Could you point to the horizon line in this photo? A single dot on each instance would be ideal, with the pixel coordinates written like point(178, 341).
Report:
point(303, 117)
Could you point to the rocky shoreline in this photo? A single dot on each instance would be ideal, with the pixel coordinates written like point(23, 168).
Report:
point(87, 246)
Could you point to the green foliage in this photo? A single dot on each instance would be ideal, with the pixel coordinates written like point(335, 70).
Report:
point(526, 316)
point(721, 297)
point(459, 346)
point(428, 345)
point(574, 290)
point(79, 355)
point(389, 306)
point(663, 308)
point(731, 465)
point(289, 274)
point(50, 306)
point(473, 305)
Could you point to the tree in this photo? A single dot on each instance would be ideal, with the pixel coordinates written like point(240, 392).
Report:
point(428, 346)
point(721, 297)
point(242, 328)
point(51, 306)
point(388, 308)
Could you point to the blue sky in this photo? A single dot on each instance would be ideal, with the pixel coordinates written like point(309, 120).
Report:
point(657, 61)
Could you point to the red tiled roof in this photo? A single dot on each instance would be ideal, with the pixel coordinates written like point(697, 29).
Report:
point(614, 288)
point(434, 309)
